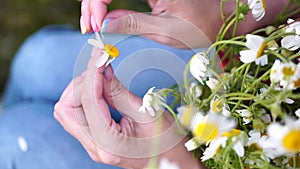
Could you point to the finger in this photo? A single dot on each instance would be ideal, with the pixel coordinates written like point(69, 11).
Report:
point(123, 100)
point(163, 28)
point(130, 22)
point(68, 119)
point(98, 11)
point(85, 19)
point(95, 108)
point(71, 95)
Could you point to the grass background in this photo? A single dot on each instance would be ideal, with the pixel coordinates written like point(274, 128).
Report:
point(20, 18)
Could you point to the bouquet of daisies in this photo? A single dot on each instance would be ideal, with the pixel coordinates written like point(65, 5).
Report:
point(242, 104)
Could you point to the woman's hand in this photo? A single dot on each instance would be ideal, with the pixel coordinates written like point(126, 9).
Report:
point(83, 111)
point(172, 22)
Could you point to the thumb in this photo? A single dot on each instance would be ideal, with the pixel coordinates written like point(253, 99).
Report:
point(117, 96)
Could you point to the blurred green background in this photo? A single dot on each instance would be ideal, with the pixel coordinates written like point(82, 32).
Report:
point(20, 18)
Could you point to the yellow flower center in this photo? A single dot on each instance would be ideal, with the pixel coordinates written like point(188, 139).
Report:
point(215, 106)
point(288, 71)
point(187, 116)
point(261, 49)
point(291, 141)
point(111, 50)
point(231, 133)
point(264, 4)
point(206, 132)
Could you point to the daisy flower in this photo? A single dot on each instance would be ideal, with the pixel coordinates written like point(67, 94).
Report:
point(256, 45)
point(211, 126)
point(284, 138)
point(185, 115)
point(198, 66)
point(258, 8)
point(236, 136)
point(109, 52)
point(217, 106)
point(294, 26)
point(151, 102)
point(257, 140)
point(195, 88)
point(292, 42)
point(287, 74)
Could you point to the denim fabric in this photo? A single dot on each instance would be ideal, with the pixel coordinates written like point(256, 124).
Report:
point(40, 71)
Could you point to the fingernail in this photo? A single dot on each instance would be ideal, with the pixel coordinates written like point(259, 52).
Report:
point(94, 24)
point(104, 25)
point(83, 26)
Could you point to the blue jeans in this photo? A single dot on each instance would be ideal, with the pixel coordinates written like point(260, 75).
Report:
point(40, 71)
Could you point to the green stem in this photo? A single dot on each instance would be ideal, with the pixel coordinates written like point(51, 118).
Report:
point(245, 75)
point(294, 56)
point(224, 42)
point(237, 15)
point(271, 37)
point(278, 55)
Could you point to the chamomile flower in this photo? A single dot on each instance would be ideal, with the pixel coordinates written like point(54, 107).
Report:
point(285, 138)
point(274, 75)
point(258, 8)
point(256, 45)
point(211, 126)
point(288, 74)
point(151, 102)
point(294, 26)
point(246, 114)
point(258, 141)
point(236, 136)
point(109, 52)
point(195, 88)
point(218, 106)
point(185, 115)
point(213, 148)
point(292, 42)
point(198, 66)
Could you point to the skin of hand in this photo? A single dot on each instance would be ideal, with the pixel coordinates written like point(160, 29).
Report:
point(173, 22)
point(83, 112)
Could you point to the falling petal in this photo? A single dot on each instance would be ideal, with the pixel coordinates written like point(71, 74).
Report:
point(22, 144)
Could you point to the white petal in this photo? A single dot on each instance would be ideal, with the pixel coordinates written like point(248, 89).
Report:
point(239, 148)
point(297, 112)
point(289, 101)
point(263, 60)
point(254, 42)
point(165, 164)
point(102, 60)
point(151, 111)
point(191, 145)
point(109, 61)
point(22, 144)
point(212, 83)
point(290, 42)
point(247, 56)
point(96, 43)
